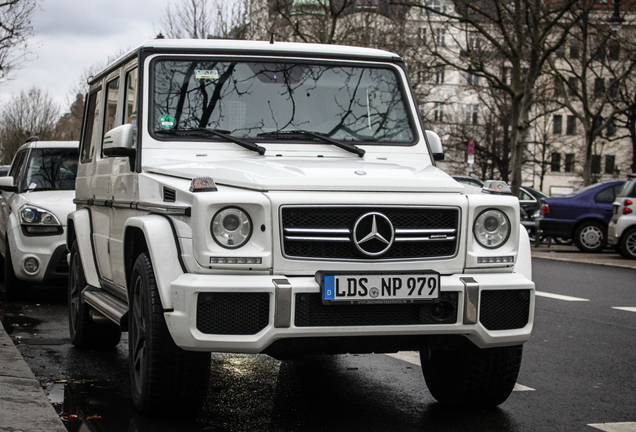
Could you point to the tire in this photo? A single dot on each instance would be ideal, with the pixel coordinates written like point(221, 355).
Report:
point(14, 288)
point(590, 237)
point(470, 377)
point(84, 331)
point(165, 380)
point(628, 244)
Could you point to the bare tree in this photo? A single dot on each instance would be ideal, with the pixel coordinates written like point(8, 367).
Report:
point(599, 66)
point(15, 31)
point(31, 113)
point(478, 37)
point(205, 19)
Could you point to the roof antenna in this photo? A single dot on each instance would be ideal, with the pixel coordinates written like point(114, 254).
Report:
point(271, 39)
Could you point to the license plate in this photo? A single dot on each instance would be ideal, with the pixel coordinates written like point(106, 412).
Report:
point(385, 288)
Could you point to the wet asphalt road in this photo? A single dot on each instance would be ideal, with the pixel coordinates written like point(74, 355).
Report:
point(579, 368)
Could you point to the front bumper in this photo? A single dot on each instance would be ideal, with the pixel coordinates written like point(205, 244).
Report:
point(257, 311)
point(48, 251)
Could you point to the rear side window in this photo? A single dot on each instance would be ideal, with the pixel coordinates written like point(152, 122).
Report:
point(91, 133)
point(607, 195)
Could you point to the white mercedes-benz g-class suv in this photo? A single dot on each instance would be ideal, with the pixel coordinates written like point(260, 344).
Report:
point(282, 198)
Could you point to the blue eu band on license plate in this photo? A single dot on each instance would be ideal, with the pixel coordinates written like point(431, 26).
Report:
point(380, 288)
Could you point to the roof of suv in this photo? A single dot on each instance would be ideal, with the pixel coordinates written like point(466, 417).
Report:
point(220, 46)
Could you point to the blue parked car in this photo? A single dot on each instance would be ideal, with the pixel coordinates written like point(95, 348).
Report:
point(582, 216)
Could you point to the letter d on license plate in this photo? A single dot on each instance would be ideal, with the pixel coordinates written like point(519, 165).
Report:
point(379, 288)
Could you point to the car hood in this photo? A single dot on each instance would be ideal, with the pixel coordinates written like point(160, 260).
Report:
point(294, 174)
point(58, 202)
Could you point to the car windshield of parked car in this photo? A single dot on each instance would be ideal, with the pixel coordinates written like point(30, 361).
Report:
point(279, 101)
point(51, 169)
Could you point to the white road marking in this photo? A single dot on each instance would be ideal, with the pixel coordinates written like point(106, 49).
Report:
point(413, 357)
point(615, 427)
point(559, 296)
point(628, 309)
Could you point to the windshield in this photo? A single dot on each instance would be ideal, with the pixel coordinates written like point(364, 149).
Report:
point(51, 169)
point(245, 99)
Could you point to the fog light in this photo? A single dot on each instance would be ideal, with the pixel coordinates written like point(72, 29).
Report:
point(31, 265)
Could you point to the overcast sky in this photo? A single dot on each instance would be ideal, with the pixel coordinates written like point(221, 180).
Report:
point(72, 35)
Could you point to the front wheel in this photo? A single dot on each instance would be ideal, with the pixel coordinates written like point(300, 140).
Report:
point(165, 379)
point(628, 244)
point(590, 237)
point(467, 376)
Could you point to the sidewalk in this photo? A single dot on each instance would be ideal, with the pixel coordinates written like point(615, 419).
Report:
point(573, 254)
point(23, 405)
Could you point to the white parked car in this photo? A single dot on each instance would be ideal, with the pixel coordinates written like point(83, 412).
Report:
point(36, 198)
point(622, 228)
point(282, 198)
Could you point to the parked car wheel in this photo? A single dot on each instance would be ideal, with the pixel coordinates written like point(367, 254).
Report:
point(469, 376)
point(590, 237)
point(14, 288)
point(84, 331)
point(164, 378)
point(628, 244)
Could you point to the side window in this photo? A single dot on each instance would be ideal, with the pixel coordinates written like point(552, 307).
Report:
point(112, 96)
point(91, 132)
point(524, 196)
point(16, 166)
point(606, 196)
point(130, 102)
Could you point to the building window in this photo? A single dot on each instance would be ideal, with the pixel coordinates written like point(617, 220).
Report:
point(611, 127)
point(436, 5)
point(555, 162)
point(610, 164)
point(560, 51)
point(599, 87)
point(422, 33)
point(557, 124)
point(559, 87)
point(472, 114)
point(573, 86)
point(596, 164)
point(439, 75)
point(474, 41)
point(440, 37)
point(574, 49)
point(569, 162)
point(438, 112)
point(472, 78)
point(614, 50)
point(571, 126)
point(506, 75)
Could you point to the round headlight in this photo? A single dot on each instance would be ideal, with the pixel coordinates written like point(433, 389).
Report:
point(28, 215)
point(492, 228)
point(231, 227)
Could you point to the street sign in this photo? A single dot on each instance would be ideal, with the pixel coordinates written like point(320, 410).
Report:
point(471, 148)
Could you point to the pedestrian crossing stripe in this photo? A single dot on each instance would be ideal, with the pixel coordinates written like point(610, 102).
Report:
point(624, 308)
point(560, 297)
point(615, 427)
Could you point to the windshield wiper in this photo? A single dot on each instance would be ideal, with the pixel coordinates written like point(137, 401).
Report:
point(296, 134)
point(215, 132)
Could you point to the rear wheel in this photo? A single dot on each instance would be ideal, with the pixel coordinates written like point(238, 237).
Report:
point(590, 237)
point(165, 379)
point(467, 376)
point(84, 331)
point(628, 244)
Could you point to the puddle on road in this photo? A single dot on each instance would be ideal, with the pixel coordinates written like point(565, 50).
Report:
point(95, 406)
point(13, 318)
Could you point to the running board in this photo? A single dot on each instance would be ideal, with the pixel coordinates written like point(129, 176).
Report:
point(108, 305)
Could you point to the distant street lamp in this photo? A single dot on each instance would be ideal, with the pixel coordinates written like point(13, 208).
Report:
point(616, 20)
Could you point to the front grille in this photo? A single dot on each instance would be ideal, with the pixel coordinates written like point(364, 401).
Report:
point(311, 312)
point(328, 232)
point(504, 309)
point(232, 313)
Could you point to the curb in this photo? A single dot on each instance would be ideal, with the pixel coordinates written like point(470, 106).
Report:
point(23, 405)
point(573, 254)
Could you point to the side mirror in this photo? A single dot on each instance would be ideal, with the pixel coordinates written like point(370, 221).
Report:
point(118, 142)
point(435, 144)
point(6, 184)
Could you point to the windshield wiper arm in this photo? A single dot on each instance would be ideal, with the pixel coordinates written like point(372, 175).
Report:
point(291, 134)
point(219, 133)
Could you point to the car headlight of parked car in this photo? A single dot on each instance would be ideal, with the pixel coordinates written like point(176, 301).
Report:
point(492, 228)
point(36, 221)
point(231, 227)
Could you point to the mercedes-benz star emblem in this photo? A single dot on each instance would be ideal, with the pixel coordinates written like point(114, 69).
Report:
point(373, 234)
